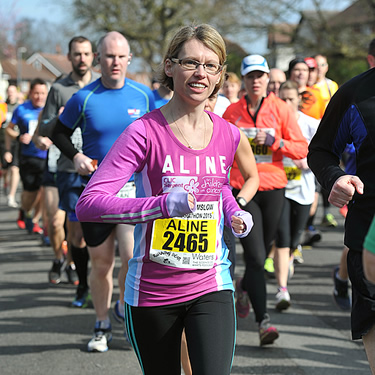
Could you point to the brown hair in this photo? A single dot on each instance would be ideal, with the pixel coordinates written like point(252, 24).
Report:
point(289, 85)
point(203, 33)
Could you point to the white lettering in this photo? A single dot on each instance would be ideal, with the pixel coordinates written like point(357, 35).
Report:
point(182, 165)
point(222, 164)
point(168, 165)
point(210, 165)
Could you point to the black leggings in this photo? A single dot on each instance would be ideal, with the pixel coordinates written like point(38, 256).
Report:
point(292, 223)
point(265, 207)
point(209, 322)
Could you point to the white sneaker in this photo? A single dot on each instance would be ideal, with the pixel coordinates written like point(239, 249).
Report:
point(282, 299)
point(12, 202)
point(100, 340)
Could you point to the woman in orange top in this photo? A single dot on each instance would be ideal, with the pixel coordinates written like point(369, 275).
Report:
point(272, 131)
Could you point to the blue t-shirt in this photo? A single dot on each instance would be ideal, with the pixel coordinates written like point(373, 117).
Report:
point(103, 114)
point(159, 101)
point(26, 117)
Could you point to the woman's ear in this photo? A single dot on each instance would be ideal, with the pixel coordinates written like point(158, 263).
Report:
point(168, 67)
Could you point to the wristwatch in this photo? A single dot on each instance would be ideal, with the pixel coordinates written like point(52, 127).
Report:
point(241, 202)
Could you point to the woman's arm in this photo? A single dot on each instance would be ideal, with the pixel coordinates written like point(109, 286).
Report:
point(246, 163)
point(239, 220)
point(99, 202)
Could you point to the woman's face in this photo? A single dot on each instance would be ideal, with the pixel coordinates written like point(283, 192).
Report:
point(300, 74)
point(291, 97)
point(231, 89)
point(256, 83)
point(194, 85)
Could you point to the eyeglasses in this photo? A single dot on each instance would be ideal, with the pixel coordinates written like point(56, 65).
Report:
point(322, 65)
point(189, 64)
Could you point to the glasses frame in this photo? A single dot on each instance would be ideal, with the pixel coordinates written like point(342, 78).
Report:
point(197, 63)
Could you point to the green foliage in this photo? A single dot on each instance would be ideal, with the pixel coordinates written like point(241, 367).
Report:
point(343, 69)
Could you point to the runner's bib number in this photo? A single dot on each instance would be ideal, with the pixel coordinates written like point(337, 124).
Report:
point(262, 153)
point(293, 173)
point(188, 242)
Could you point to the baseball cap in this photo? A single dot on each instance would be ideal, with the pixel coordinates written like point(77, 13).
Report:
point(254, 62)
point(311, 62)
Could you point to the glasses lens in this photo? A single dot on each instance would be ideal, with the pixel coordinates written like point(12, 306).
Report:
point(212, 68)
point(189, 64)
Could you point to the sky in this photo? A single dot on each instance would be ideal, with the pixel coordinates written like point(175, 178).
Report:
point(58, 10)
point(38, 9)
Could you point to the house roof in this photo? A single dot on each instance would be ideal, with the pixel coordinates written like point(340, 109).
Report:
point(10, 68)
point(281, 34)
point(57, 64)
point(359, 12)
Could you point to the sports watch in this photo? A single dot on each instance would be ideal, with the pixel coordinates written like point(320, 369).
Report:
point(241, 202)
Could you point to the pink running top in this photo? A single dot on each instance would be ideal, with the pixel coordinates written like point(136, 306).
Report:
point(179, 253)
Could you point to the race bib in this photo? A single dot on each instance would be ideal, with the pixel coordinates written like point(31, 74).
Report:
point(32, 126)
point(127, 191)
point(293, 173)
point(188, 242)
point(53, 155)
point(262, 153)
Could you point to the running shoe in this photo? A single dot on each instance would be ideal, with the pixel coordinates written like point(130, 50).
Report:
point(12, 202)
point(242, 302)
point(37, 229)
point(312, 235)
point(45, 240)
point(54, 275)
point(21, 220)
point(82, 298)
point(71, 273)
point(101, 338)
point(341, 292)
point(282, 299)
point(120, 318)
point(297, 254)
point(269, 268)
point(267, 333)
point(329, 221)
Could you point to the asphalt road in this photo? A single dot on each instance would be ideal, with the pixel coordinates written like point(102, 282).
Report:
point(42, 334)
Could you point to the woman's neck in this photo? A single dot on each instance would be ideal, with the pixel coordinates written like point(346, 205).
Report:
point(254, 102)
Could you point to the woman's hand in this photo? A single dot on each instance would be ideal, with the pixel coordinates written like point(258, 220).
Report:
point(191, 201)
point(238, 225)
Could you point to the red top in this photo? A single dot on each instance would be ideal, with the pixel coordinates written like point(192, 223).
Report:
point(274, 116)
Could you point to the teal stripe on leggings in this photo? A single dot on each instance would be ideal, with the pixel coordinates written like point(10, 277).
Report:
point(235, 330)
point(130, 330)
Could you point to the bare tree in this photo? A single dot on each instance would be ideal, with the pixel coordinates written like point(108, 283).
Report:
point(148, 24)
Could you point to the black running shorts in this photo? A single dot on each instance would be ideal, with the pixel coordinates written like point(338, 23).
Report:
point(31, 172)
point(363, 304)
point(96, 233)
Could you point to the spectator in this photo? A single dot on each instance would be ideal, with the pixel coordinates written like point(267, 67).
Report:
point(277, 77)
